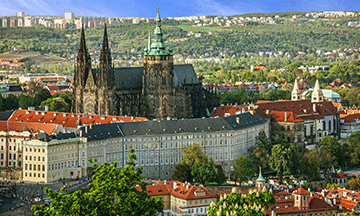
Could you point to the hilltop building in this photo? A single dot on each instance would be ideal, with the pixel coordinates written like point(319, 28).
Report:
point(158, 90)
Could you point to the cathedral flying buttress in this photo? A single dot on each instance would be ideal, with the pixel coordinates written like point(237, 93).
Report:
point(158, 90)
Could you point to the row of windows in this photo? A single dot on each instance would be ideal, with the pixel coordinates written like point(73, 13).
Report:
point(35, 158)
point(35, 167)
point(34, 175)
point(10, 158)
point(14, 148)
point(35, 149)
point(63, 165)
point(69, 155)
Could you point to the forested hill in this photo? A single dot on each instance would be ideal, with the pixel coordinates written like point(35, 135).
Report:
point(286, 35)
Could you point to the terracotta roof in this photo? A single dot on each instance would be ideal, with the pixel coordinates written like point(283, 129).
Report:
point(350, 118)
point(188, 194)
point(302, 191)
point(27, 126)
point(233, 110)
point(286, 206)
point(156, 190)
point(67, 119)
point(280, 116)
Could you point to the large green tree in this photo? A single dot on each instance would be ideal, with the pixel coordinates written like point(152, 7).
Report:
point(41, 96)
point(281, 160)
point(112, 192)
point(56, 105)
point(243, 170)
point(262, 141)
point(335, 148)
point(312, 161)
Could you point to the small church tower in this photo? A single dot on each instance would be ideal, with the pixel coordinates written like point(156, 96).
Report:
point(317, 95)
point(158, 76)
point(260, 181)
point(295, 94)
point(301, 198)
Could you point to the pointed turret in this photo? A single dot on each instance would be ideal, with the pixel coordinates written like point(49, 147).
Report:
point(260, 181)
point(295, 94)
point(317, 95)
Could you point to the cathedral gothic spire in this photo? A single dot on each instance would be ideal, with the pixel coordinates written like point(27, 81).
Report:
point(106, 72)
point(296, 94)
point(83, 64)
point(317, 95)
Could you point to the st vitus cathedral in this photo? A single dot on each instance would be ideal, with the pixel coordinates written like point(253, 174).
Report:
point(158, 90)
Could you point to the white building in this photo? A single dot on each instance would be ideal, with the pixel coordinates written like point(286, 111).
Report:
point(157, 145)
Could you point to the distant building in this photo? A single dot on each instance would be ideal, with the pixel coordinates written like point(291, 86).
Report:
point(6, 90)
point(21, 14)
point(349, 124)
point(69, 16)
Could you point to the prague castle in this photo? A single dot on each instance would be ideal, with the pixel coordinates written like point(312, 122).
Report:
point(158, 90)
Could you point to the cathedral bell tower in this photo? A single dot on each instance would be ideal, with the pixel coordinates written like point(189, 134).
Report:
point(158, 77)
point(105, 80)
point(81, 72)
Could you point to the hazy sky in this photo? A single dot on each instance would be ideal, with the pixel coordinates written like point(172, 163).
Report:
point(147, 8)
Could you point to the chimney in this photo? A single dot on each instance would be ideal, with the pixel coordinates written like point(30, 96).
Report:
point(175, 185)
point(308, 189)
point(267, 112)
point(314, 107)
point(285, 116)
point(334, 200)
point(237, 120)
point(187, 187)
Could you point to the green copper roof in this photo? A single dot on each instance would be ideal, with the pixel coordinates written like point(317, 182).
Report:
point(328, 93)
point(158, 47)
point(260, 178)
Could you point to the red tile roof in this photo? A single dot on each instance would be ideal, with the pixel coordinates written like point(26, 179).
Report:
point(67, 119)
point(350, 118)
point(302, 191)
point(188, 194)
point(233, 110)
point(156, 190)
point(339, 175)
point(27, 126)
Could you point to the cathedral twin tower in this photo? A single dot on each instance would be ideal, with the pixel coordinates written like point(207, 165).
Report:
point(158, 90)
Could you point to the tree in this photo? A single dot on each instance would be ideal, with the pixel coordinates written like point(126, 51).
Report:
point(258, 157)
point(254, 203)
point(353, 142)
point(312, 161)
point(280, 160)
point(182, 172)
point(353, 184)
point(56, 105)
point(262, 141)
point(193, 154)
point(335, 148)
point(112, 192)
point(243, 170)
point(220, 175)
point(201, 172)
point(25, 101)
point(41, 96)
point(11, 102)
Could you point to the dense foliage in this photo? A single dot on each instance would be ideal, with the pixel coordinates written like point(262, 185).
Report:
point(254, 203)
point(112, 192)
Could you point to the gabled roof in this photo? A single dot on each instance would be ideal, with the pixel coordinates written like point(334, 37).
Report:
point(351, 118)
point(156, 190)
point(189, 193)
point(301, 191)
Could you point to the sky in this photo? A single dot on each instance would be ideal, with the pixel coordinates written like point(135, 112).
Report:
point(169, 8)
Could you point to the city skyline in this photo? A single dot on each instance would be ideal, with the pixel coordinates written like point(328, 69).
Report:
point(141, 8)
